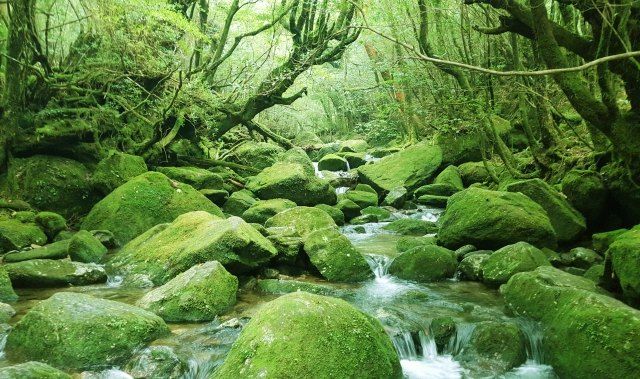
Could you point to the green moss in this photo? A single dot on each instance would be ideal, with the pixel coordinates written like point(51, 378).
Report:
point(56, 250)
point(51, 223)
point(380, 213)
point(350, 209)
point(409, 242)
point(259, 155)
point(281, 287)
point(291, 181)
point(411, 227)
point(581, 257)
point(156, 362)
point(199, 294)
point(143, 202)
point(217, 196)
point(365, 188)
point(333, 162)
point(196, 237)
point(239, 202)
point(7, 294)
point(32, 370)
point(25, 217)
point(396, 197)
point(510, 260)
point(364, 219)
point(355, 159)
point(568, 223)
point(81, 332)
point(595, 273)
point(427, 263)
point(302, 220)
point(440, 189)
point(433, 201)
point(364, 199)
point(493, 219)
point(586, 191)
point(198, 178)
point(54, 273)
point(450, 176)
point(625, 260)
point(335, 257)
point(602, 241)
point(409, 168)
point(84, 247)
point(263, 210)
point(475, 172)
point(117, 169)
point(15, 235)
point(587, 334)
point(354, 146)
point(302, 333)
point(335, 213)
point(471, 266)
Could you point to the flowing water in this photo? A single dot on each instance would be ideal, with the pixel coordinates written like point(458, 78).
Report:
point(405, 309)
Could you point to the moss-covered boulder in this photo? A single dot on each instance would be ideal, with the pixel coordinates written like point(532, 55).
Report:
point(167, 250)
point(281, 287)
point(198, 178)
point(602, 241)
point(300, 334)
point(510, 260)
point(117, 169)
point(259, 155)
point(51, 223)
point(56, 250)
point(53, 183)
point(471, 266)
point(335, 257)
point(580, 257)
point(623, 190)
point(440, 189)
point(587, 334)
point(84, 247)
point(450, 176)
point(14, 235)
point(299, 156)
point(143, 202)
point(433, 201)
point(411, 227)
point(460, 147)
point(587, 192)
point(79, 332)
point(354, 146)
point(302, 220)
point(492, 219)
point(355, 160)
point(493, 347)
point(408, 243)
point(7, 294)
point(396, 197)
point(349, 209)
point(6, 312)
point(625, 260)
point(288, 244)
point(156, 362)
point(239, 202)
point(263, 210)
point(364, 199)
point(333, 162)
point(217, 196)
point(381, 214)
point(54, 273)
point(427, 263)
point(335, 213)
point(476, 172)
point(409, 168)
point(32, 370)
point(568, 223)
point(199, 294)
point(291, 181)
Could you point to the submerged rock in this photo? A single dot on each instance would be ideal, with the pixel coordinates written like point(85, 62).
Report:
point(424, 264)
point(54, 273)
point(493, 219)
point(84, 247)
point(291, 181)
point(301, 333)
point(335, 257)
point(409, 168)
point(263, 210)
point(510, 260)
point(197, 237)
point(302, 220)
point(587, 334)
point(143, 202)
point(198, 178)
point(32, 370)
point(568, 223)
point(79, 332)
point(199, 294)
point(117, 169)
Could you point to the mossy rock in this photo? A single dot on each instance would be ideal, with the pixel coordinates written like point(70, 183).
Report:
point(396, 197)
point(602, 241)
point(56, 250)
point(259, 155)
point(156, 362)
point(409, 242)
point(350, 209)
point(25, 217)
point(291, 181)
point(51, 223)
point(301, 334)
point(476, 172)
point(32, 370)
point(199, 294)
point(117, 169)
point(333, 162)
point(411, 227)
point(464, 147)
point(471, 267)
point(143, 202)
point(625, 260)
point(450, 176)
point(442, 329)
point(440, 189)
point(568, 223)
point(263, 210)
point(409, 168)
point(595, 273)
point(287, 243)
point(281, 287)
point(433, 201)
point(423, 264)
point(40, 273)
point(623, 191)
point(14, 235)
point(364, 219)
point(302, 220)
point(380, 213)
point(167, 250)
point(75, 331)
point(299, 156)
point(362, 198)
point(581, 257)
point(587, 334)
point(335, 213)
point(355, 160)
point(7, 294)
point(56, 184)
point(6, 312)
point(510, 260)
point(586, 191)
point(335, 257)
point(198, 178)
point(365, 188)
point(239, 202)
point(492, 219)
point(354, 146)
point(84, 247)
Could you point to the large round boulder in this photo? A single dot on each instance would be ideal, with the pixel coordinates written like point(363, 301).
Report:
point(80, 332)
point(300, 334)
point(116, 169)
point(143, 202)
point(510, 260)
point(302, 220)
point(259, 155)
point(492, 219)
point(15, 235)
point(427, 263)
